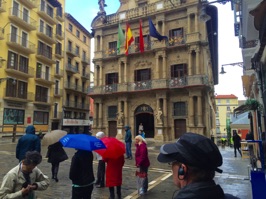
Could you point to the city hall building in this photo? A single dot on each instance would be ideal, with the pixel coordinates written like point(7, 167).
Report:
point(165, 77)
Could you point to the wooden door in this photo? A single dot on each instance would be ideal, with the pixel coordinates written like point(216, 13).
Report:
point(180, 127)
point(112, 129)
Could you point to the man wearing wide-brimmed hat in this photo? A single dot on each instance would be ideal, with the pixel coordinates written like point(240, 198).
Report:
point(194, 159)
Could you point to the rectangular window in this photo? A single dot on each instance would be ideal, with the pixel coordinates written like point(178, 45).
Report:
point(13, 116)
point(111, 78)
point(41, 94)
point(112, 48)
point(12, 60)
point(70, 27)
point(178, 70)
point(142, 75)
point(112, 111)
point(176, 36)
point(219, 101)
point(24, 39)
point(84, 39)
point(49, 30)
point(228, 108)
point(77, 50)
point(77, 33)
point(227, 101)
point(59, 29)
point(50, 11)
point(40, 117)
point(25, 15)
point(180, 109)
point(23, 64)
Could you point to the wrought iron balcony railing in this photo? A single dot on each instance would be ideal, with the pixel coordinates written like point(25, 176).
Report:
point(171, 83)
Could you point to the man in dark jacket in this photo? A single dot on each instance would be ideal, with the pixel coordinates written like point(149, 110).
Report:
point(28, 142)
point(237, 143)
point(128, 141)
point(194, 159)
point(81, 174)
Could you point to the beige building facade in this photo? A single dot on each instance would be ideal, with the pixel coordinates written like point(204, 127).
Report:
point(169, 87)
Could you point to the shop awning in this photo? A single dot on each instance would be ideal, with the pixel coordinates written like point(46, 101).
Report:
point(247, 81)
point(242, 109)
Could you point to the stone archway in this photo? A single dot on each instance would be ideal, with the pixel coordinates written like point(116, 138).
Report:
point(144, 114)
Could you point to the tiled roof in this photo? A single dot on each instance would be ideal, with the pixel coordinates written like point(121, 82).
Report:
point(231, 96)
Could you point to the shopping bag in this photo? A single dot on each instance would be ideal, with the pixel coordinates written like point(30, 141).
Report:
point(140, 178)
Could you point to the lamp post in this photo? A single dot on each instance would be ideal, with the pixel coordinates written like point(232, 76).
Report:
point(240, 64)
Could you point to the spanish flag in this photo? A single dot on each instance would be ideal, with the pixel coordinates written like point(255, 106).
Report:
point(129, 38)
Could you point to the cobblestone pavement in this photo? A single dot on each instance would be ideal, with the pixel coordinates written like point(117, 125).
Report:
point(234, 179)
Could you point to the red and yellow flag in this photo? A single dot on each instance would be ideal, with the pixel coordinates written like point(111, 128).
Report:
point(129, 38)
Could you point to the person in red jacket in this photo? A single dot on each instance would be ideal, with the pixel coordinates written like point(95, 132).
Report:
point(114, 175)
point(142, 160)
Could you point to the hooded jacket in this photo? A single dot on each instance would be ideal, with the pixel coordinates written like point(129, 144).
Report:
point(203, 190)
point(28, 142)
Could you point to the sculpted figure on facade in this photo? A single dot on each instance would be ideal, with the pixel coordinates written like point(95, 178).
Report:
point(120, 118)
point(159, 115)
point(101, 6)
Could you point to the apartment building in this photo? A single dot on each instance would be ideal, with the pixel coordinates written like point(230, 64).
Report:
point(169, 87)
point(225, 105)
point(76, 103)
point(31, 60)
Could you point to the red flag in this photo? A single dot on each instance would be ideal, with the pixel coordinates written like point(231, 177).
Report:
point(129, 38)
point(141, 39)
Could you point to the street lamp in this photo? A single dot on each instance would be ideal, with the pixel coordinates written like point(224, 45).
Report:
point(240, 64)
point(14, 82)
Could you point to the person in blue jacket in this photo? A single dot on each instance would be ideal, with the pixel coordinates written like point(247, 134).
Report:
point(28, 142)
point(128, 141)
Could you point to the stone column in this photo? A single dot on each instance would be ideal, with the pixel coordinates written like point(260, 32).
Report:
point(164, 66)
point(101, 43)
point(126, 112)
point(100, 119)
point(165, 111)
point(125, 72)
point(189, 63)
point(188, 23)
point(95, 75)
point(157, 67)
point(197, 61)
point(199, 111)
point(191, 112)
point(196, 23)
point(100, 76)
point(119, 73)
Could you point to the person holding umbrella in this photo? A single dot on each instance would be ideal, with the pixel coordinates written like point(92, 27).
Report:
point(113, 155)
point(55, 155)
point(101, 165)
point(114, 175)
point(81, 174)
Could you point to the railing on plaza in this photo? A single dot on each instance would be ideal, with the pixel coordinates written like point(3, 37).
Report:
point(150, 85)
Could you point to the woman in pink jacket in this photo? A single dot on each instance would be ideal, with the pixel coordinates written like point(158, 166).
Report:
point(142, 159)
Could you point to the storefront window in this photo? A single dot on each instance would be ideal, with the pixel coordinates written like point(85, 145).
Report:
point(40, 117)
point(13, 116)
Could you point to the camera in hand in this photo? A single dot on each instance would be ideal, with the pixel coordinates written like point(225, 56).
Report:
point(25, 184)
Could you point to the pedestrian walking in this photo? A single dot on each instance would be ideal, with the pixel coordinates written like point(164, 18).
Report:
point(55, 155)
point(142, 162)
point(142, 134)
point(81, 174)
point(100, 182)
point(28, 142)
point(194, 159)
point(114, 175)
point(237, 143)
point(128, 141)
point(22, 181)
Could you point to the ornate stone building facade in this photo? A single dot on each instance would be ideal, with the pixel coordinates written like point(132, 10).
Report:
point(169, 87)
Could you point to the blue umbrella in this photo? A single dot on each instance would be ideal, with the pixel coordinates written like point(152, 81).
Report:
point(82, 141)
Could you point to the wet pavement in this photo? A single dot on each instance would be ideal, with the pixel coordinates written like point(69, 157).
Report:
point(234, 179)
